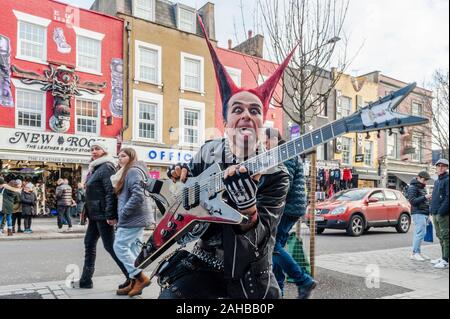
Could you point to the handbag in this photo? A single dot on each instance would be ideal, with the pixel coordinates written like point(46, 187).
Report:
point(429, 233)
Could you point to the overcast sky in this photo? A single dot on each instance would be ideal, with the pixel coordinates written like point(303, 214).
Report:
point(404, 39)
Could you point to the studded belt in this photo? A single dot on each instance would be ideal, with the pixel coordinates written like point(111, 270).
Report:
point(213, 260)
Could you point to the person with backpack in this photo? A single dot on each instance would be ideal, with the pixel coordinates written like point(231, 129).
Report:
point(101, 212)
point(80, 198)
point(29, 200)
point(63, 194)
point(135, 214)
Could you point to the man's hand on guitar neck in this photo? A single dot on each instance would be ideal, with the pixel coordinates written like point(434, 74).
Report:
point(178, 172)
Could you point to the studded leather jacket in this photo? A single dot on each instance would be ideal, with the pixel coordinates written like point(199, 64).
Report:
point(244, 257)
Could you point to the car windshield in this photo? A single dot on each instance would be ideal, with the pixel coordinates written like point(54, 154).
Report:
point(351, 195)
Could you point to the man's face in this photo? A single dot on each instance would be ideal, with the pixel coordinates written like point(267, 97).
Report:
point(244, 119)
point(441, 169)
point(422, 180)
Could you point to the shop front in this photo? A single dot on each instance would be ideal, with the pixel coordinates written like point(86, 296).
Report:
point(367, 177)
point(44, 157)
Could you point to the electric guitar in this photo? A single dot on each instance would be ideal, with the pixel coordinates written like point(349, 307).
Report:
point(199, 200)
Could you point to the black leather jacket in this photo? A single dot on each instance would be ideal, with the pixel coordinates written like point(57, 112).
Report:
point(101, 201)
point(247, 256)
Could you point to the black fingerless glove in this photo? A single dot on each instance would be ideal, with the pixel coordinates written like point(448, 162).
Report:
point(241, 189)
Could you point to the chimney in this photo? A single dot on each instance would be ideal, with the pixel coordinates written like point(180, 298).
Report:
point(207, 14)
point(250, 34)
point(230, 44)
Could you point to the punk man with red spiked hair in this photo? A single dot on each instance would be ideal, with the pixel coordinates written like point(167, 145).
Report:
point(233, 261)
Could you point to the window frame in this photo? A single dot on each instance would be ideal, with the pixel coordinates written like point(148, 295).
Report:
point(201, 59)
point(135, 9)
point(98, 98)
point(350, 150)
point(158, 99)
point(372, 149)
point(35, 88)
point(194, 21)
point(196, 106)
point(396, 145)
point(236, 72)
point(418, 148)
point(342, 98)
point(96, 36)
point(420, 105)
point(137, 64)
point(37, 21)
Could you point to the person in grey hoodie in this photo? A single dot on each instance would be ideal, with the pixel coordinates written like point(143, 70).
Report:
point(134, 215)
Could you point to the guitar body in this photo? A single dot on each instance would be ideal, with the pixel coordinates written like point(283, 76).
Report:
point(180, 219)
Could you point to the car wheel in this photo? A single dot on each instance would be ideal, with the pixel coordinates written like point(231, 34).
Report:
point(356, 226)
point(320, 230)
point(404, 223)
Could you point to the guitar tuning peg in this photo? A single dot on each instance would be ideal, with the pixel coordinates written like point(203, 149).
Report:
point(379, 134)
point(402, 131)
point(367, 136)
point(390, 132)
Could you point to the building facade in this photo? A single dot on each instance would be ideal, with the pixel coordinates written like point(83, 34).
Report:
point(61, 89)
point(169, 95)
point(403, 156)
point(355, 151)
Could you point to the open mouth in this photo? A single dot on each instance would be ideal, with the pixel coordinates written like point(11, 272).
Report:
point(246, 131)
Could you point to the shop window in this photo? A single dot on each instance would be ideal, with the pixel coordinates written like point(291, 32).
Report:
point(87, 117)
point(144, 9)
point(30, 109)
point(192, 69)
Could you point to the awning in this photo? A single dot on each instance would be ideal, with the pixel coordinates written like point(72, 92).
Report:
point(406, 178)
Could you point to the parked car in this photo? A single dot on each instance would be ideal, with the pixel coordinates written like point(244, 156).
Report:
point(357, 210)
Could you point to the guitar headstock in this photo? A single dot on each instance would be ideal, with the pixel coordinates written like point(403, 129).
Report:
point(381, 115)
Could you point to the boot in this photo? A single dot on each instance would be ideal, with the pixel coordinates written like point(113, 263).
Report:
point(125, 284)
point(10, 232)
point(126, 290)
point(86, 278)
point(141, 281)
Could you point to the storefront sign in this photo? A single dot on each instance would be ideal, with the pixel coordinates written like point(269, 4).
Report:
point(36, 143)
point(162, 156)
point(154, 174)
point(295, 131)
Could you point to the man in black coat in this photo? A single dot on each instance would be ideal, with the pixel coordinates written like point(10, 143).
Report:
point(439, 209)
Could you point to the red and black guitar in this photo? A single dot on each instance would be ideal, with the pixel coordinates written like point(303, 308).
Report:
point(200, 200)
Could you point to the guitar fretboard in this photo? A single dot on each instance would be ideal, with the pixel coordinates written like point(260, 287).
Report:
point(300, 145)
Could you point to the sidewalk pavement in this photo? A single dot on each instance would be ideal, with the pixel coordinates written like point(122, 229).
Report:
point(46, 228)
point(390, 267)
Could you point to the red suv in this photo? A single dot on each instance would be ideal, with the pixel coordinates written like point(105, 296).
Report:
point(357, 210)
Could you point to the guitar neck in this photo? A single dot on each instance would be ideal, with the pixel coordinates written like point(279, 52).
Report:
point(298, 146)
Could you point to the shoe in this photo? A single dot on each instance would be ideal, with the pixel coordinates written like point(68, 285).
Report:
point(20, 231)
point(125, 284)
point(436, 261)
point(425, 257)
point(305, 292)
point(417, 257)
point(86, 278)
point(10, 232)
point(141, 281)
point(442, 265)
point(124, 291)
point(60, 40)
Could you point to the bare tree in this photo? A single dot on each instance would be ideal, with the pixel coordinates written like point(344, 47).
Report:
point(316, 25)
point(440, 114)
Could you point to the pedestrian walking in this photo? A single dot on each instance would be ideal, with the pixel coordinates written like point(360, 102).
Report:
point(101, 211)
point(420, 211)
point(63, 194)
point(135, 214)
point(28, 199)
point(10, 198)
point(80, 198)
point(295, 208)
point(439, 210)
point(17, 215)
